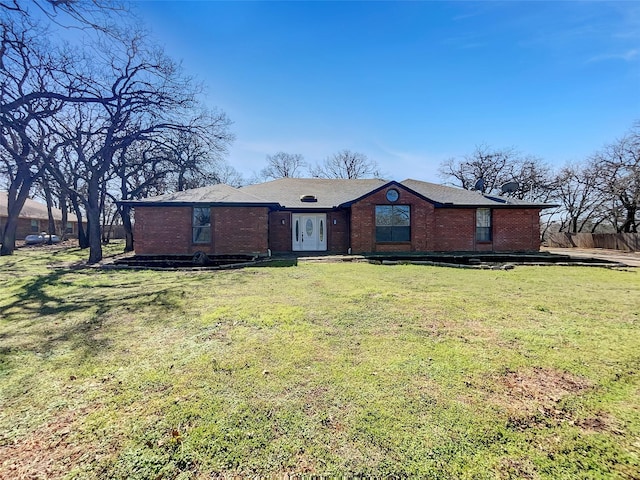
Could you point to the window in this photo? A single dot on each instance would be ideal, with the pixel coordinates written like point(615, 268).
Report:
point(393, 223)
point(483, 225)
point(201, 225)
point(69, 228)
point(35, 226)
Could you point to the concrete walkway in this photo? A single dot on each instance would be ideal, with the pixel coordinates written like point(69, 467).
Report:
point(631, 259)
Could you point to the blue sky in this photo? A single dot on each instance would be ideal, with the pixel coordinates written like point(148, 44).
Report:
point(410, 84)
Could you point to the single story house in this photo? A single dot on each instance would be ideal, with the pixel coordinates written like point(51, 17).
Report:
point(34, 218)
point(334, 216)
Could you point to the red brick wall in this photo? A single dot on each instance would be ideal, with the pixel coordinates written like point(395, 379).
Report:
point(168, 230)
point(516, 230)
point(164, 230)
point(363, 226)
point(24, 227)
point(513, 230)
point(338, 232)
point(240, 229)
point(279, 233)
point(455, 229)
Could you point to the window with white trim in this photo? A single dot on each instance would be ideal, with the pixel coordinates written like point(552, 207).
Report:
point(483, 225)
point(201, 225)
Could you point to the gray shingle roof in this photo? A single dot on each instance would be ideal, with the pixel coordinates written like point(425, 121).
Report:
point(31, 209)
point(326, 194)
point(329, 193)
point(219, 193)
point(460, 197)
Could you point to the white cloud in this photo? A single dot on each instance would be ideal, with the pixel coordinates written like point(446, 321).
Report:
point(627, 56)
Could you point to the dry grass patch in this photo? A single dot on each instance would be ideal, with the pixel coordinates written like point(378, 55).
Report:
point(46, 453)
point(538, 388)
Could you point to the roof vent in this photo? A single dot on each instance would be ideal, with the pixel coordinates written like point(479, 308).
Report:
point(308, 198)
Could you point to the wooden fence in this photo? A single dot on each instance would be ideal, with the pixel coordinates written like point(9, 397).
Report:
point(628, 242)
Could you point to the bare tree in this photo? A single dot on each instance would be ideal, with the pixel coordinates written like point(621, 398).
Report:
point(92, 107)
point(172, 159)
point(230, 176)
point(37, 79)
point(346, 164)
point(580, 197)
point(195, 151)
point(27, 65)
point(142, 93)
point(283, 165)
point(497, 167)
point(617, 167)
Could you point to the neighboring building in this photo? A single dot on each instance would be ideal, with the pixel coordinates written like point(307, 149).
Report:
point(329, 215)
point(34, 219)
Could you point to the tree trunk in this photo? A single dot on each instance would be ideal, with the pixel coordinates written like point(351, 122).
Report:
point(629, 225)
point(125, 215)
point(9, 236)
point(52, 223)
point(16, 196)
point(93, 219)
point(83, 240)
point(65, 216)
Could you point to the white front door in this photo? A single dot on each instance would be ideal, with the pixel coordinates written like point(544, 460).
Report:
point(309, 232)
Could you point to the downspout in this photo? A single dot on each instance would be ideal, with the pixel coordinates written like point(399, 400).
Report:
point(349, 232)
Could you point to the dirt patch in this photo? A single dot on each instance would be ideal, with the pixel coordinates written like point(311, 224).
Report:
point(46, 453)
point(541, 387)
point(517, 468)
point(532, 399)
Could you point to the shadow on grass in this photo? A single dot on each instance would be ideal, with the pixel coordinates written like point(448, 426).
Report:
point(46, 320)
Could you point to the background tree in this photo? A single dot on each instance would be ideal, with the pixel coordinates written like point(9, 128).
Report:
point(497, 167)
point(580, 198)
point(172, 159)
point(283, 165)
point(617, 169)
point(346, 164)
point(93, 106)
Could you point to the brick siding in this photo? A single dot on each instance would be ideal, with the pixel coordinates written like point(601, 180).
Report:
point(338, 232)
point(240, 230)
point(168, 230)
point(516, 230)
point(512, 230)
point(280, 233)
point(363, 223)
point(455, 229)
point(444, 229)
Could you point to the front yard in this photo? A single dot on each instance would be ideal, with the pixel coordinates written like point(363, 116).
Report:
point(326, 369)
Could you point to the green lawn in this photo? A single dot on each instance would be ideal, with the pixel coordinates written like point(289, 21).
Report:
point(325, 369)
